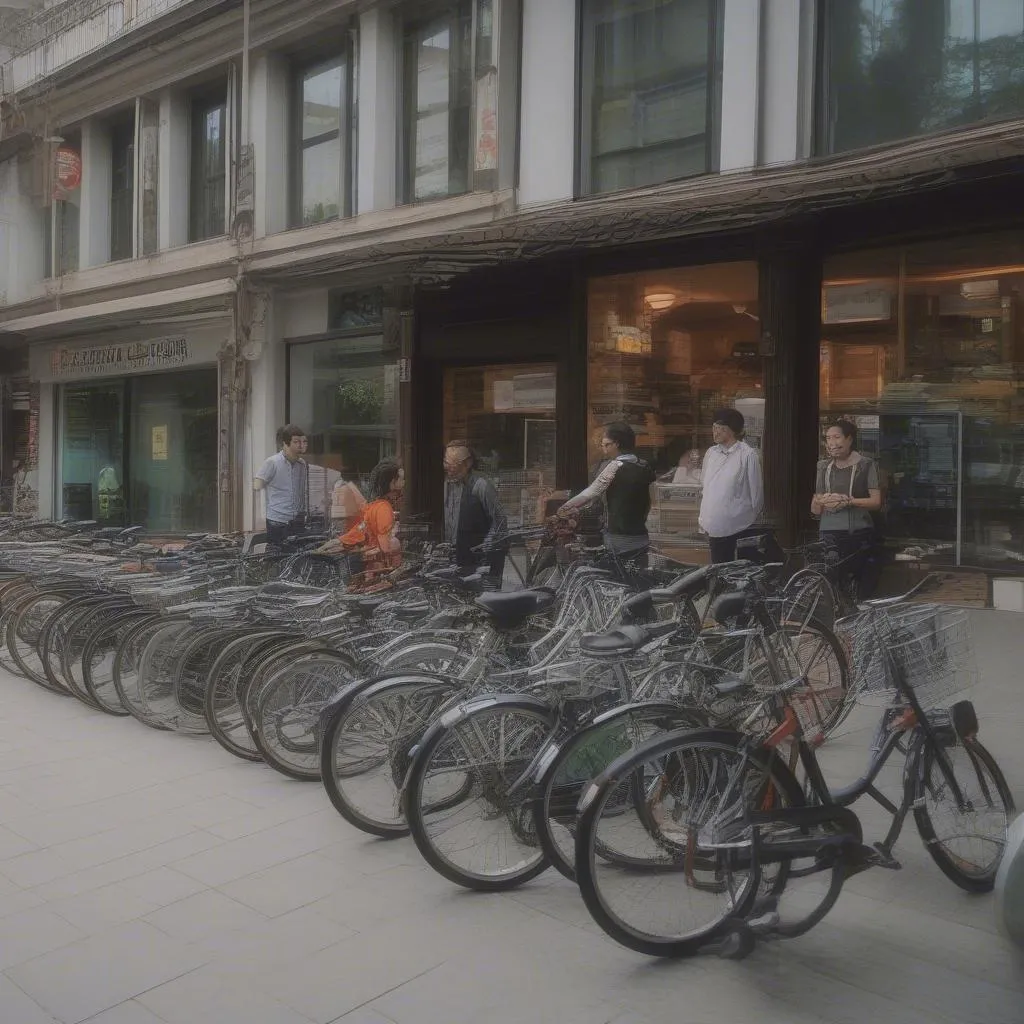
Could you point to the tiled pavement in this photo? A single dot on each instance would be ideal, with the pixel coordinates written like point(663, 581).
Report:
point(148, 877)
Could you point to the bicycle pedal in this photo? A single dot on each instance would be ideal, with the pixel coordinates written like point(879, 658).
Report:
point(765, 924)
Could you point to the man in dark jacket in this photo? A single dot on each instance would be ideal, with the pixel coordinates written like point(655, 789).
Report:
point(473, 515)
point(625, 482)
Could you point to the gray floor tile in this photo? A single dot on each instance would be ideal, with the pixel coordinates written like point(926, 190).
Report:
point(130, 1012)
point(31, 932)
point(18, 1008)
point(204, 914)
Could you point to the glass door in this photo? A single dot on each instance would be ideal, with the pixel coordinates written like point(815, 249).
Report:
point(92, 452)
point(506, 413)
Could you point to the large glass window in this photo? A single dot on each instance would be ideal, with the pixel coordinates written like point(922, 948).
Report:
point(922, 347)
point(344, 393)
point(650, 91)
point(122, 189)
point(439, 102)
point(323, 151)
point(142, 451)
point(667, 349)
point(894, 69)
point(208, 167)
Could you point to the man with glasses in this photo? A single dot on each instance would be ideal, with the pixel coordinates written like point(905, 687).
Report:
point(284, 480)
point(473, 515)
point(625, 481)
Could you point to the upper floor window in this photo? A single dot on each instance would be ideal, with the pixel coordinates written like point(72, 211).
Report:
point(122, 188)
point(322, 168)
point(650, 78)
point(207, 199)
point(438, 97)
point(895, 69)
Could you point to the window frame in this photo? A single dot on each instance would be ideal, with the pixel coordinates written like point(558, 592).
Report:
point(121, 130)
point(585, 92)
point(346, 132)
point(428, 14)
point(202, 103)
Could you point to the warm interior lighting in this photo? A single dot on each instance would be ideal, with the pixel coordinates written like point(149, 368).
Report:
point(660, 300)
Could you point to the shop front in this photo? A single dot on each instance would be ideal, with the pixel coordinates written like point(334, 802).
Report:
point(135, 437)
point(922, 346)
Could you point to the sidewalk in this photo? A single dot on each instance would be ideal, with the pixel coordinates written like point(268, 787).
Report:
point(148, 877)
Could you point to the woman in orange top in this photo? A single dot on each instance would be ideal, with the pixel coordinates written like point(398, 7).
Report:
point(372, 536)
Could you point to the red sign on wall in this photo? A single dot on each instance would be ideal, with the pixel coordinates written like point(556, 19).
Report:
point(67, 172)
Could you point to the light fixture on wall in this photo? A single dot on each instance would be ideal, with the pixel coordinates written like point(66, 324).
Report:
point(659, 301)
point(741, 310)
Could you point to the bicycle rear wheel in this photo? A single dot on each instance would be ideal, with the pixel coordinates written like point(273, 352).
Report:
point(967, 842)
point(98, 660)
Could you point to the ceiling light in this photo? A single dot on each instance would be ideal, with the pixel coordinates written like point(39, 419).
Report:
point(660, 300)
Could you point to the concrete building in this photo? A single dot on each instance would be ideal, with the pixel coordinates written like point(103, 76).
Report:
point(512, 221)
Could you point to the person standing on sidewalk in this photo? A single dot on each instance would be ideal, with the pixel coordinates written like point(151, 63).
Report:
point(473, 515)
point(733, 493)
point(283, 479)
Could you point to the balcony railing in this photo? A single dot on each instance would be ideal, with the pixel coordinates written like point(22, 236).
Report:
point(51, 39)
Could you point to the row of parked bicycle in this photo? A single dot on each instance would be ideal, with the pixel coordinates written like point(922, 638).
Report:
point(650, 732)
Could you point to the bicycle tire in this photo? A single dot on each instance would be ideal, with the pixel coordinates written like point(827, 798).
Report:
point(98, 661)
point(126, 669)
point(931, 781)
point(79, 629)
point(494, 774)
point(192, 674)
point(222, 707)
point(575, 761)
point(692, 751)
point(24, 629)
point(287, 722)
point(385, 818)
point(52, 638)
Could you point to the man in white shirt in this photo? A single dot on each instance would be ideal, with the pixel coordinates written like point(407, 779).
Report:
point(733, 489)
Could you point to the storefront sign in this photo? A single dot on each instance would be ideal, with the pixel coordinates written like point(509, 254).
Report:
point(114, 360)
point(852, 304)
point(160, 444)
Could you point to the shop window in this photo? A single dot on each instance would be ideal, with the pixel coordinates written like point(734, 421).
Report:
point(208, 167)
point(904, 68)
point(60, 223)
point(142, 451)
point(324, 135)
point(922, 347)
point(122, 189)
point(438, 96)
point(667, 349)
point(344, 393)
point(650, 83)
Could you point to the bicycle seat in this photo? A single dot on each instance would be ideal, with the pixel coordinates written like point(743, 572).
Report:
point(624, 639)
point(728, 606)
point(512, 607)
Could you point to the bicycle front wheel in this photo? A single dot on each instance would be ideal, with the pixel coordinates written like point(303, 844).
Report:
point(469, 798)
point(687, 865)
point(966, 840)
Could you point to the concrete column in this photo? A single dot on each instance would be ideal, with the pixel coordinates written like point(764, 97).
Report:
point(174, 168)
point(49, 452)
point(741, 63)
point(787, 78)
point(377, 170)
point(94, 223)
point(269, 98)
point(547, 131)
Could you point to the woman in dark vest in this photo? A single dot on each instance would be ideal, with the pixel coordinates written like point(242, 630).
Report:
point(625, 483)
point(846, 493)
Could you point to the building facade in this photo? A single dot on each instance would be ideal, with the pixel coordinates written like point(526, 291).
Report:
point(512, 221)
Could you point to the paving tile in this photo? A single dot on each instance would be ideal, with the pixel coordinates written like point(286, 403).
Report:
point(129, 1012)
point(14, 845)
point(31, 932)
point(161, 886)
point(287, 886)
point(17, 1008)
point(204, 914)
point(101, 909)
point(364, 1015)
point(17, 900)
point(212, 995)
point(35, 868)
point(99, 972)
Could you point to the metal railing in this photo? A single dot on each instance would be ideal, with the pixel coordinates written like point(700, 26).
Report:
point(50, 39)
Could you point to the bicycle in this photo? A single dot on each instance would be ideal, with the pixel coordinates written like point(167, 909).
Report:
point(720, 806)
